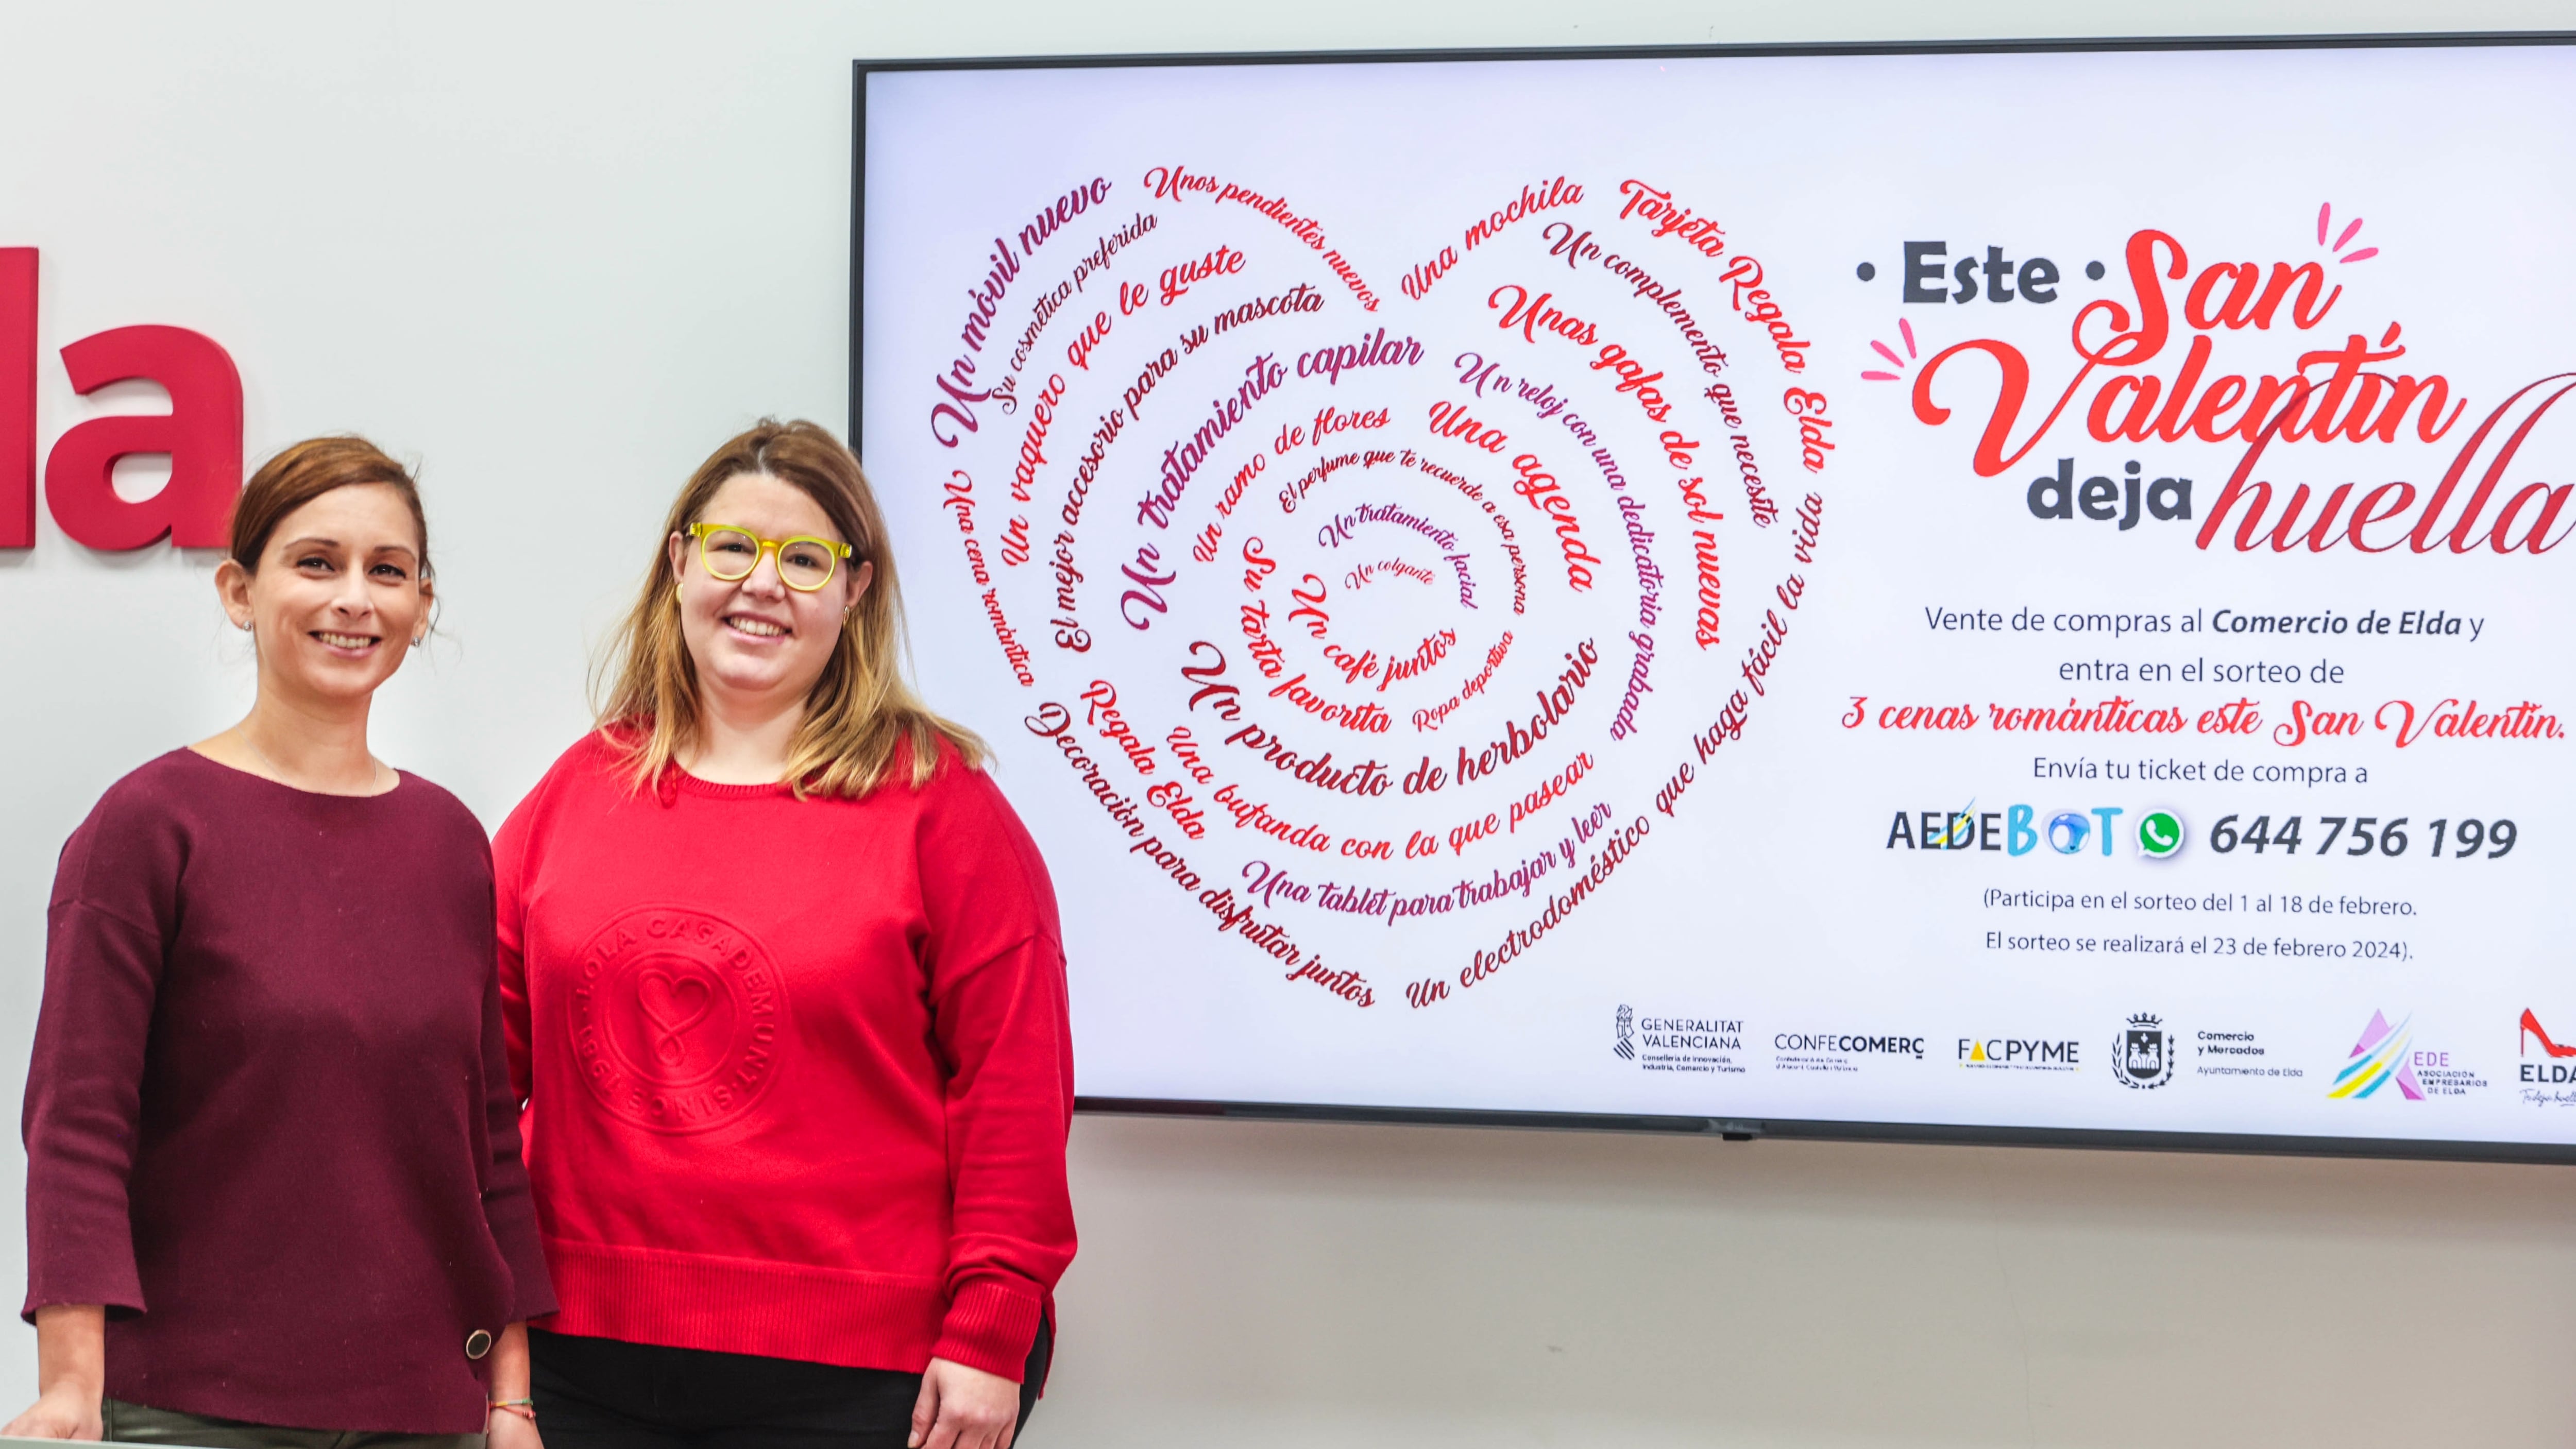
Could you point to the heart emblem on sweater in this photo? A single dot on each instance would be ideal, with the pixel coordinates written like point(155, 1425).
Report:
point(673, 1004)
point(683, 1022)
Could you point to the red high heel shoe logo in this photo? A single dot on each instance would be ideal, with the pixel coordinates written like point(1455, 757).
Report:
point(2531, 1028)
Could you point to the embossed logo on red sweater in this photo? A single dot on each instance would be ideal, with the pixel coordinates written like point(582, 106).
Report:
point(678, 1019)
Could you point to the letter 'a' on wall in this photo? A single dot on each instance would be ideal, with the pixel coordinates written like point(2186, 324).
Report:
point(17, 397)
point(202, 433)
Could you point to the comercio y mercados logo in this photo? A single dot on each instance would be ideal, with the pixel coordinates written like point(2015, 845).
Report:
point(2142, 1056)
point(2235, 1052)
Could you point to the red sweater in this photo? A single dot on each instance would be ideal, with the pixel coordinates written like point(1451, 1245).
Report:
point(798, 1072)
point(268, 1119)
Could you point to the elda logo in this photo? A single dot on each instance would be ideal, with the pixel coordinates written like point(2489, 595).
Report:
point(2143, 1055)
point(201, 434)
point(679, 1020)
point(2555, 1067)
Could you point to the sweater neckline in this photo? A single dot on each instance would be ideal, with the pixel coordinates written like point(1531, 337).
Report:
point(691, 784)
point(402, 779)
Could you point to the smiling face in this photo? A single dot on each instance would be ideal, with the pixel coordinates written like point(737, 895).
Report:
point(755, 638)
point(338, 597)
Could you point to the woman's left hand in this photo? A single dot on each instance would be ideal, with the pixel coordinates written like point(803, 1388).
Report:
point(511, 1431)
point(959, 1408)
point(507, 1428)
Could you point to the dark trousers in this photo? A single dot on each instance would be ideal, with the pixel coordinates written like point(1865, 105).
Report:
point(605, 1393)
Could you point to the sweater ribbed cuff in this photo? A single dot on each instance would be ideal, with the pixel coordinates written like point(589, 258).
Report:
point(991, 1325)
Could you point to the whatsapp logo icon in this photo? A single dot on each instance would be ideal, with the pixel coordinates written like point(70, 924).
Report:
point(2159, 835)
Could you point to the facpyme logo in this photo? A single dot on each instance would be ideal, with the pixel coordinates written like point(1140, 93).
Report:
point(2013, 1054)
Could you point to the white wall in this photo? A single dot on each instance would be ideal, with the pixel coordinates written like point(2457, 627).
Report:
point(557, 252)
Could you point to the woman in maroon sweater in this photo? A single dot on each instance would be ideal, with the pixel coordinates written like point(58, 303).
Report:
point(274, 1194)
point(786, 1001)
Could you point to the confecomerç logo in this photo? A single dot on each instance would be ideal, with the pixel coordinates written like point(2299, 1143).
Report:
point(2142, 1056)
point(678, 1021)
point(1840, 1051)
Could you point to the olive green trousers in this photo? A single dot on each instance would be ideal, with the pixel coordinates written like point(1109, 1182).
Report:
point(136, 1424)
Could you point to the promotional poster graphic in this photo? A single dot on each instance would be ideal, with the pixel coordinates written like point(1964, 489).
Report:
point(1960, 591)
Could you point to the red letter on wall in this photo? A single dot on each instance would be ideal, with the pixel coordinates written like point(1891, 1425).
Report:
point(202, 433)
point(17, 397)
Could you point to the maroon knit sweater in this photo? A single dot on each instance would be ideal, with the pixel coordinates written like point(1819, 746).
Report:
point(268, 1119)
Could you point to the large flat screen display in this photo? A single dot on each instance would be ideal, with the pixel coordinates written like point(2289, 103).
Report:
point(1962, 595)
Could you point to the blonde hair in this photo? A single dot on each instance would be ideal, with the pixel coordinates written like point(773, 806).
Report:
point(859, 712)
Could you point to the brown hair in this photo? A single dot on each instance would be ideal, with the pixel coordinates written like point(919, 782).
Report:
point(861, 708)
point(302, 472)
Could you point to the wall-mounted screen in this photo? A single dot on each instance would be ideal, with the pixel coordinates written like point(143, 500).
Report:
point(1964, 594)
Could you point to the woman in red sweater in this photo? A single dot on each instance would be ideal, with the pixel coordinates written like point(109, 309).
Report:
point(786, 1000)
point(274, 1195)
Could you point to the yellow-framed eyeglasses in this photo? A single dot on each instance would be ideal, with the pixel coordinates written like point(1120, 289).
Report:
point(730, 554)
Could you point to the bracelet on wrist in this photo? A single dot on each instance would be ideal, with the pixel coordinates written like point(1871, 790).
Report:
point(524, 1408)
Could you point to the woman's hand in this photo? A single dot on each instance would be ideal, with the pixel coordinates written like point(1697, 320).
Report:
point(508, 1428)
point(71, 1368)
point(505, 1430)
point(961, 1408)
point(59, 1413)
